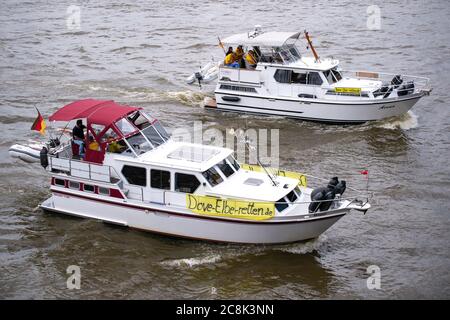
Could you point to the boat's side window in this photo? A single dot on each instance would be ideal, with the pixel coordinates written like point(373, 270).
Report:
point(88, 188)
point(186, 182)
point(283, 76)
point(281, 204)
point(60, 182)
point(103, 191)
point(74, 185)
point(212, 176)
point(314, 79)
point(160, 179)
point(299, 77)
point(135, 175)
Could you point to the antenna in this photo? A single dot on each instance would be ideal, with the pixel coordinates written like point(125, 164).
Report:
point(273, 179)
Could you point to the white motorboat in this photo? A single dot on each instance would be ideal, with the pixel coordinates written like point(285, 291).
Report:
point(206, 74)
point(133, 174)
point(288, 83)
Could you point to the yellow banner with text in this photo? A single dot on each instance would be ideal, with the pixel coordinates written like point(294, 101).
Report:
point(348, 90)
point(230, 208)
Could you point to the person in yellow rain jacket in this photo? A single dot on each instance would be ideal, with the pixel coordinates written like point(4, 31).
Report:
point(93, 145)
point(230, 59)
point(239, 54)
point(250, 59)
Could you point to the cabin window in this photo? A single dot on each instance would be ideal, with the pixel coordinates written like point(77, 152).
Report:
point(281, 204)
point(139, 120)
point(125, 126)
point(110, 134)
point(104, 191)
point(161, 130)
point(292, 196)
point(160, 179)
point(89, 188)
point(97, 128)
point(299, 77)
point(74, 185)
point(139, 144)
point(332, 75)
point(212, 176)
point(314, 79)
point(135, 175)
point(234, 163)
point(186, 183)
point(153, 136)
point(60, 182)
point(226, 169)
point(283, 76)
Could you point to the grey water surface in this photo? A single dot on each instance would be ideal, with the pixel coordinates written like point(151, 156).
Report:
point(139, 53)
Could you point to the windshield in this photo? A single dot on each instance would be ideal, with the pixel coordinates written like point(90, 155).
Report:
point(333, 75)
point(125, 126)
point(153, 136)
point(234, 163)
point(212, 176)
point(139, 144)
point(225, 168)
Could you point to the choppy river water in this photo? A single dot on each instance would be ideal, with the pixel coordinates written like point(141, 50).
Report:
point(139, 53)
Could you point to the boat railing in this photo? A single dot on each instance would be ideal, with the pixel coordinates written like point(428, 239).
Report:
point(421, 84)
point(239, 75)
point(83, 169)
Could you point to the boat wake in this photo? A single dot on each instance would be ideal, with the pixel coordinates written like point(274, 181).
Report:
point(406, 121)
point(192, 262)
point(235, 251)
point(186, 97)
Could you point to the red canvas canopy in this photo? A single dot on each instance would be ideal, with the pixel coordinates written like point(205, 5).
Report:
point(104, 112)
point(96, 112)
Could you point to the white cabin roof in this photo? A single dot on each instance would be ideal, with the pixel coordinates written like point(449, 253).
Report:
point(268, 39)
point(262, 190)
point(182, 155)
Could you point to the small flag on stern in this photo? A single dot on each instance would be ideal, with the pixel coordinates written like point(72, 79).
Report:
point(39, 124)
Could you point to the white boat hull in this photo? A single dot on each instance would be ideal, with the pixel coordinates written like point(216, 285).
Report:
point(192, 225)
point(315, 109)
point(30, 154)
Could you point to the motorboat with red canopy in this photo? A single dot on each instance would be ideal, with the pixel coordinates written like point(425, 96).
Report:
point(137, 176)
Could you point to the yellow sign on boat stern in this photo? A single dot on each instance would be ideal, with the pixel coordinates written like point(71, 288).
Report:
point(348, 90)
point(230, 208)
point(294, 175)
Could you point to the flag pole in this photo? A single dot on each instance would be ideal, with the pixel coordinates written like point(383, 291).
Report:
point(221, 45)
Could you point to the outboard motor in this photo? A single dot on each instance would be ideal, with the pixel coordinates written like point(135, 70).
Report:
point(319, 195)
point(199, 78)
point(323, 193)
point(53, 143)
point(406, 89)
point(324, 206)
point(340, 187)
point(43, 156)
point(396, 81)
point(333, 182)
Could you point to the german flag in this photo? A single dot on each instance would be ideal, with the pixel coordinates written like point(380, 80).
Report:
point(39, 124)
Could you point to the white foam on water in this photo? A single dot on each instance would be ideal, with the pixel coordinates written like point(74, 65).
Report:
point(406, 121)
point(186, 97)
point(192, 262)
point(304, 247)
